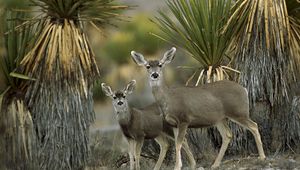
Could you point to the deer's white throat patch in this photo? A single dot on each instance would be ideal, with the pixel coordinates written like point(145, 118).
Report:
point(155, 82)
point(122, 112)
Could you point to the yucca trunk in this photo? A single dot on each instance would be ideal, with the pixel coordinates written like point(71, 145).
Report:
point(264, 57)
point(60, 99)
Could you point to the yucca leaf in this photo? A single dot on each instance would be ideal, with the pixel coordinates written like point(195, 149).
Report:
point(21, 76)
point(99, 12)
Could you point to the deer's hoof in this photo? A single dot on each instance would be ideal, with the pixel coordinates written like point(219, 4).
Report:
point(215, 166)
point(193, 164)
point(193, 167)
point(177, 167)
point(262, 158)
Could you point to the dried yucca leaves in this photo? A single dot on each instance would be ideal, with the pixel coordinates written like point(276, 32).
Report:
point(17, 135)
point(263, 49)
point(266, 45)
point(295, 43)
point(62, 44)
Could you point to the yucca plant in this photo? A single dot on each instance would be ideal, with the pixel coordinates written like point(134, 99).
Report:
point(196, 27)
point(17, 137)
point(267, 50)
point(64, 66)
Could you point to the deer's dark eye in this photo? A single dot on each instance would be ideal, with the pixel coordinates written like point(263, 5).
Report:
point(147, 66)
point(115, 97)
point(159, 65)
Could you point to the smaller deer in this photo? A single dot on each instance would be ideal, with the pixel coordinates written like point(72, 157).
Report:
point(196, 107)
point(140, 124)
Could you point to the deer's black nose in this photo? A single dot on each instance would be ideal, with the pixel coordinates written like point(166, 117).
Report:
point(120, 103)
point(154, 75)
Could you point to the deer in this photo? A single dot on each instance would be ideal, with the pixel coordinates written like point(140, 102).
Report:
point(211, 104)
point(140, 124)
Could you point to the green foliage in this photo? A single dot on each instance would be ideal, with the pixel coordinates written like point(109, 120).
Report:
point(119, 46)
point(16, 42)
point(14, 4)
point(142, 28)
point(196, 27)
point(134, 35)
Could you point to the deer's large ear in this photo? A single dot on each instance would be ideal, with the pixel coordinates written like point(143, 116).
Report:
point(138, 58)
point(168, 56)
point(106, 89)
point(130, 87)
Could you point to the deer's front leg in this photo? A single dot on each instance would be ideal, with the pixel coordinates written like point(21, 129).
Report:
point(131, 153)
point(179, 134)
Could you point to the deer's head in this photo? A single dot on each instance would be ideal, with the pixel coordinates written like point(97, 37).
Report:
point(154, 67)
point(119, 97)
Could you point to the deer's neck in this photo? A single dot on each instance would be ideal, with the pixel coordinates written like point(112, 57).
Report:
point(159, 93)
point(124, 115)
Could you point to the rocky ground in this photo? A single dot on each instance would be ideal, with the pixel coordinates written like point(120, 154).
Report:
point(284, 162)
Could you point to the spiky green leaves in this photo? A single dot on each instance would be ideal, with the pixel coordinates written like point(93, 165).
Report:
point(15, 44)
point(196, 27)
point(96, 11)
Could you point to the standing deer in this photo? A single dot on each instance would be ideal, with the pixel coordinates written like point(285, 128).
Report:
point(197, 107)
point(140, 124)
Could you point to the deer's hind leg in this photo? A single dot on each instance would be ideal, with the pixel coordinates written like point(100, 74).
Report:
point(253, 128)
point(189, 153)
point(138, 149)
point(226, 137)
point(164, 145)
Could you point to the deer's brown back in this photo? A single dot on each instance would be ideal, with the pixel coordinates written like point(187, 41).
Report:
point(205, 105)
